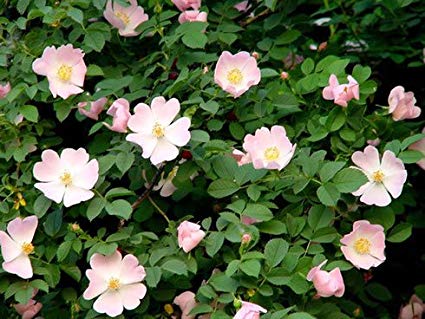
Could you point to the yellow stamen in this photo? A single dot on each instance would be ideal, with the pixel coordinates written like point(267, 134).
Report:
point(235, 76)
point(114, 283)
point(66, 178)
point(362, 246)
point(64, 72)
point(378, 176)
point(168, 309)
point(27, 248)
point(123, 17)
point(158, 130)
point(271, 153)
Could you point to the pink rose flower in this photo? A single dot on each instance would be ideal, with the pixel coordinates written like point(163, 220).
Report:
point(413, 310)
point(95, 109)
point(192, 15)
point(249, 311)
point(385, 176)
point(16, 246)
point(155, 133)
point(30, 309)
point(235, 74)
point(68, 177)
point(186, 301)
point(341, 93)
point(4, 89)
point(364, 246)
point(65, 69)
point(241, 158)
point(120, 110)
point(183, 5)
point(269, 149)
point(402, 104)
point(242, 6)
point(419, 146)
point(189, 235)
point(117, 282)
point(125, 19)
point(327, 283)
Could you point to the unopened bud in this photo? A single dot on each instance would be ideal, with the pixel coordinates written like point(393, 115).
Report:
point(168, 309)
point(237, 303)
point(251, 292)
point(322, 46)
point(284, 75)
point(246, 238)
point(357, 312)
point(205, 70)
point(255, 55)
point(75, 227)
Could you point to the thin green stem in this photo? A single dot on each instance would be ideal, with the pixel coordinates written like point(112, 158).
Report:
point(159, 209)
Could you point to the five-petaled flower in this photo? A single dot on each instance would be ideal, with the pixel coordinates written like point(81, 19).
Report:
point(402, 104)
point(249, 310)
point(154, 131)
point(269, 149)
point(341, 93)
point(189, 235)
point(235, 74)
point(364, 246)
point(68, 177)
point(125, 19)
point(16, 247)
point(65, 69)
point(387, 175)
point(327, 283)
point(117, 282)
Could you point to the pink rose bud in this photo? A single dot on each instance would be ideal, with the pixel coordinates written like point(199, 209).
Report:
point(125, 19)
point(413, 310)
point(284, 75)
point(4, 89)
point(65, 69)
point(192, 15)
point(327, 283)
point(322, 46)
point(95, 109)
point(235, 74)
point(402, 104)
point(255, 55)
point(270, 149)
point(420, 146)
point(120, 111)
point(205, 70)
point(242, 6)
point(183, 5)
point(249, 311)
point(189, 235)
point(341, 93)
point(246, 238)
point(364, 246)
point(186, 301)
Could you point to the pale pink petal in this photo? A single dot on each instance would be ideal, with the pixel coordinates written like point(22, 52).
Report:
point(164, 151)
point(368, 160)
point(360, 261)
point(52, 190)
point(377, 195)
point(165, 111)
point(87, 175)
point(74, 159)
point(186, 301)
point(110, 303)
point(131, 272)
point(9, 248)
point(50, 168)
point(143, 119)
point(75, 195)
point(131, 295)
point(146, 142)
point(97, 285)
point(107, 266)
point(178, 132)
point(23, 230)
point(20, 266)
point(167, 189)
point(338, 282)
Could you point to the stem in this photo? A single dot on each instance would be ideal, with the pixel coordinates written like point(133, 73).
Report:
point(147, 191)
point(158, 209)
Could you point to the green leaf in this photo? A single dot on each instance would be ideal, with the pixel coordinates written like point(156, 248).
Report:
point(221, 282)
point(328, 194)
point(95, 40)
point(124, 161)
point(300, 315)
point(410, 156)
point(195, 40)
point(117, 237)
point(118, 192)
point(73, 271)
point(53, 223)
point(269, 73)
point(381, 215)
point(207, 291)
point(153, 276)
point(298, 284)
point(39, 284)
point(232, 267)
point(324, 235)
point(94, 70)
point(378, 292)
point(41, 205)
point(22, 5)
point(222, 187)
point(214, 242)
point(307, 66)
point(251, 267)
point(199, 136)
point(175, 266)
point(275, 250)
point(201, 308)
point(410, 140)
point(95, 208)
point(329, 170)
point(287, 37)
point(320, 216)
point(258, 211)
point(341, 264)
point(75, 14)
point(30, 112)
point(400, 233)
point(119, 208)
point(278, 276)
point(63, 250)
point(349, 180)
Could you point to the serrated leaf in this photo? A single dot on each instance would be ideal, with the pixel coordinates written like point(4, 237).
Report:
point(400, 233)
point(214, 242)
point(175, 266)
point(119, 208)
point(275, 250)
point(349, 180)
point(328, 194)
point(95, 208)
point(222, 187)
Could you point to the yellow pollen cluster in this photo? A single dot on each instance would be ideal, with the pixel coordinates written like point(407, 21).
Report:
point(271, 153)
point(235, 76)
point(378, 176)
point(362, 246)
point(64, 72)
point(123, 17)
point(113, 283)
point(66, 178)
point(27, 248)
point(158, 130)
point(168, 309)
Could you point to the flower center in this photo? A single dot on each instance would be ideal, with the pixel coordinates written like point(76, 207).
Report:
point(64, 72)
point(66, 178)
point(271, 153)
point(378, 176)
point(27, 248)
point(362, 246)
point(235, 76)
point(113, 283)
point(123, 17)
point(158, 130)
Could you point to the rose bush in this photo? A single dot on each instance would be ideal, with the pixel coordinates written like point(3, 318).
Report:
point(210, 159)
